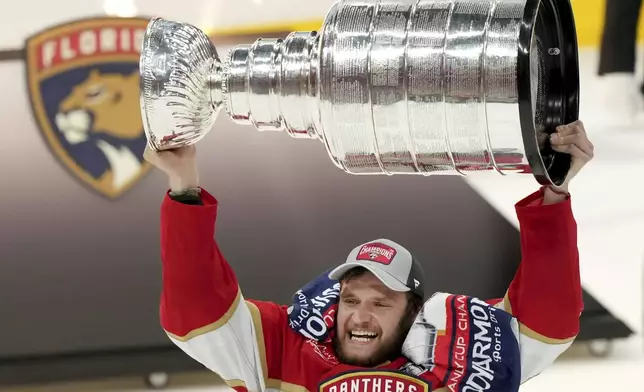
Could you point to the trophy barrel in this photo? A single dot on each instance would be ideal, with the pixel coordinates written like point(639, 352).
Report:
point(445, 86)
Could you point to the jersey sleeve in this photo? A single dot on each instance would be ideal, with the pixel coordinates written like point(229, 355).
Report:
point(545, 295)
point(202, 308)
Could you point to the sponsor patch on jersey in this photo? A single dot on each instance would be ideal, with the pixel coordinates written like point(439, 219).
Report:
point(83, 81)
point(479, 350)
point(371, 380)
point(313, 309)
point(378, 252)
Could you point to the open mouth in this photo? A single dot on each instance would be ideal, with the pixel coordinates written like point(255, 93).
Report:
point(362, 336)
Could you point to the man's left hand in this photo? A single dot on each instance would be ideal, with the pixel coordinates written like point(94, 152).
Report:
point(572, 139)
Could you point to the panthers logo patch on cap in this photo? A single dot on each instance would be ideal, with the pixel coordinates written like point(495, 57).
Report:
point(83, 80)
point(378, 252)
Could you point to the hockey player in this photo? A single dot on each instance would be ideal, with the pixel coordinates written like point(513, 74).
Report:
point(377, 297)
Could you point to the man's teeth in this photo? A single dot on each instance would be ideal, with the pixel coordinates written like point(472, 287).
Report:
point(363, 336)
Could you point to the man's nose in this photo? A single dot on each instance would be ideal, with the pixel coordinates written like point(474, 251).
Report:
point(361, 316)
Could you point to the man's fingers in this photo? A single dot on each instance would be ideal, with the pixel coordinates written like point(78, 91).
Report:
point(577, 125)
point(571, 129)
point(155, 157)
point(574, 151)
point(577, 128)
point(577, 139)
point(560, 143)
point(185, 151)
point(572, 134)
point(149, 154)
point(572, 139)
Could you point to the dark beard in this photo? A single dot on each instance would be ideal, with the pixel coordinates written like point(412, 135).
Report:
point(388, 351)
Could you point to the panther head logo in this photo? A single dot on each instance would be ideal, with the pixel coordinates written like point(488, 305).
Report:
point(104, 102)
point(83, 79)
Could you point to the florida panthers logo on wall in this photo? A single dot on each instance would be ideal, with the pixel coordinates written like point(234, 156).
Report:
point(83, 80)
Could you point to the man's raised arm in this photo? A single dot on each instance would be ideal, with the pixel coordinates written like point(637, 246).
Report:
point(546, 295)
point(202, 308)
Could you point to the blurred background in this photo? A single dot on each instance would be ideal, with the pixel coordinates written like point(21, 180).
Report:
point(79, 251)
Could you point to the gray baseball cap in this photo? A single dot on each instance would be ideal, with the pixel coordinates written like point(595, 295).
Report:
point(390, 262)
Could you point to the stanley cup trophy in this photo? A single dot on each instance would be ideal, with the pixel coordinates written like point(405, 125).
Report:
point(388, 87)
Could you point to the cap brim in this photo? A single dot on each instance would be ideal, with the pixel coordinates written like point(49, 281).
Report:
point(386, 278)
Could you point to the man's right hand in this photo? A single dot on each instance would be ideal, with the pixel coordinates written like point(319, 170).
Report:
point(179, 164)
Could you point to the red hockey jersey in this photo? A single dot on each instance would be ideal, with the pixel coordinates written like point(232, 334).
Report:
point(250, 345)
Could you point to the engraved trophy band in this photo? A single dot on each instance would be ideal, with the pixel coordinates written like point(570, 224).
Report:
point(388, 87)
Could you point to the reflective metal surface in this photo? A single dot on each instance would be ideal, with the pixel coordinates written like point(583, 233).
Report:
point(388, 87)
point(177, 65)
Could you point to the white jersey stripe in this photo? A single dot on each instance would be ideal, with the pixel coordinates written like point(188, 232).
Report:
point(537, 351)
point(231, 350)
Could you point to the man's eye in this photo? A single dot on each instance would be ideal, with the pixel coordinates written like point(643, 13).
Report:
point(382, 305)
point(349, 301)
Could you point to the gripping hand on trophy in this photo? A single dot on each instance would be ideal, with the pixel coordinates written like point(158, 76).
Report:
point(180, 165)
point(570, 139)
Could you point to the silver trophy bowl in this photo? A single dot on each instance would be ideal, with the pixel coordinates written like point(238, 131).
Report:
point(388, 87)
